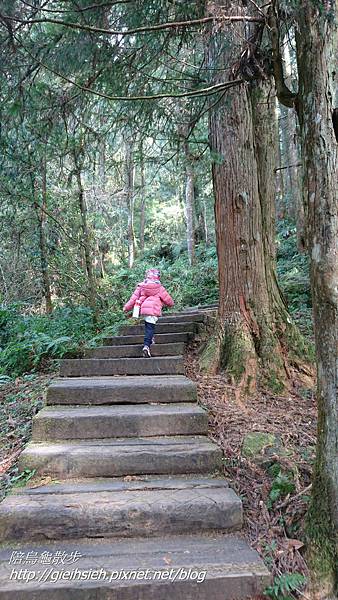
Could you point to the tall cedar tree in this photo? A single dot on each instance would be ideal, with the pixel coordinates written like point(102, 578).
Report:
point(254, 327)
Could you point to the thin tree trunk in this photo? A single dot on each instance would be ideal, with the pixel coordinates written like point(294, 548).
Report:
point(189, 203)
point(201, 229)
point(142, 203)
point(102, 166)
point(129, 174)
point(279, 172)
point(43, 242)
point(286, 162)
point(205, 223)
point(293, 155)
point(42, 217)
point(86, 241)
point(100, 260)
point(317, 68)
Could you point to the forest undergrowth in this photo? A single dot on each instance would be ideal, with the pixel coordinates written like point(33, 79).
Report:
point(275, 484)
point(20, 400)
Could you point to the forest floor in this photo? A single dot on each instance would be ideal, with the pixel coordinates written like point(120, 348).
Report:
point(20, 400)
point(275, 494)
point(274, 487)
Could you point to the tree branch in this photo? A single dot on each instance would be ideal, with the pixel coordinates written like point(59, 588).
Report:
point(207, 91)
point(145, 29)
point(288, 167)
point(78, 8)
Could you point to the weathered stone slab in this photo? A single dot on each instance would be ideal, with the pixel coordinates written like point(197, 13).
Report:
point(183, 327)
point(121, 390)
point(36, 487)
point(82, 422)
point(126, 513)
point(116, 457)
point(160, 338)
point(87, 367)
point(180, 567)
point(134, 351)
point(188, 317)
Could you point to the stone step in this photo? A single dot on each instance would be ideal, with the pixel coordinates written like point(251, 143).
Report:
point(199, 309)
point(122, 456)
point(213, 305)
point(184, 327)
point(36, 486)
point(160, 338)
point(121, 390)
point(189, 317)
point(86, 367)
point(147, 511)
point(183, 567)
point(88, 422)
point(134, 351)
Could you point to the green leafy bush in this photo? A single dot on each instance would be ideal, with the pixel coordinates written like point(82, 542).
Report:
point(282, 484)
point(285, 584)
point(27, 339)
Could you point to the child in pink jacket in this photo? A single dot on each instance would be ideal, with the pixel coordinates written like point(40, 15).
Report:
point(151, 296)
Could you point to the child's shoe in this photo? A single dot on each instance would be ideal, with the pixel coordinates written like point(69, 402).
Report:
point(146, 352)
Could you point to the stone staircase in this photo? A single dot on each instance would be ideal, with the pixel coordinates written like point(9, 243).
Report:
point(130, 482)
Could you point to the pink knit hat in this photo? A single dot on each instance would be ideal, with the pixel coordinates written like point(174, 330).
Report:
point(153, 274)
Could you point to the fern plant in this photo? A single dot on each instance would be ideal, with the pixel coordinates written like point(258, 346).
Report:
point(284, 585)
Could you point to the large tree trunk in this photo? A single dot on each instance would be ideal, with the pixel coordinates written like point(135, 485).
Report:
point(253, 323)
point(189, 203)
point(317, 48)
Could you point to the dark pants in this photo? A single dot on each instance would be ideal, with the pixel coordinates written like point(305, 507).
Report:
point(149, 330)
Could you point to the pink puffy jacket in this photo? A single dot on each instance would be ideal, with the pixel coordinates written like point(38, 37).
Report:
point(152, 296)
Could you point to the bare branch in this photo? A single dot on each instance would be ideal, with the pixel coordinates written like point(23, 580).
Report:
point(288, 167)
point(145, 29)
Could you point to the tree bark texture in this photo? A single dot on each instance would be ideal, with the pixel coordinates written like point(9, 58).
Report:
point(317, 68)
point(254, 324)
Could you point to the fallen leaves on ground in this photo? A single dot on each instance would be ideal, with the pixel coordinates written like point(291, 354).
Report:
point(275, 529)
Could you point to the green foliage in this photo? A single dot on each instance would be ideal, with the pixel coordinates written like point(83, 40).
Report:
point(22, 478)
point(27, 339)
point(21, 400)
point(273, 382)
point(284, 585)
point(282, 484)
point(293, 274)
